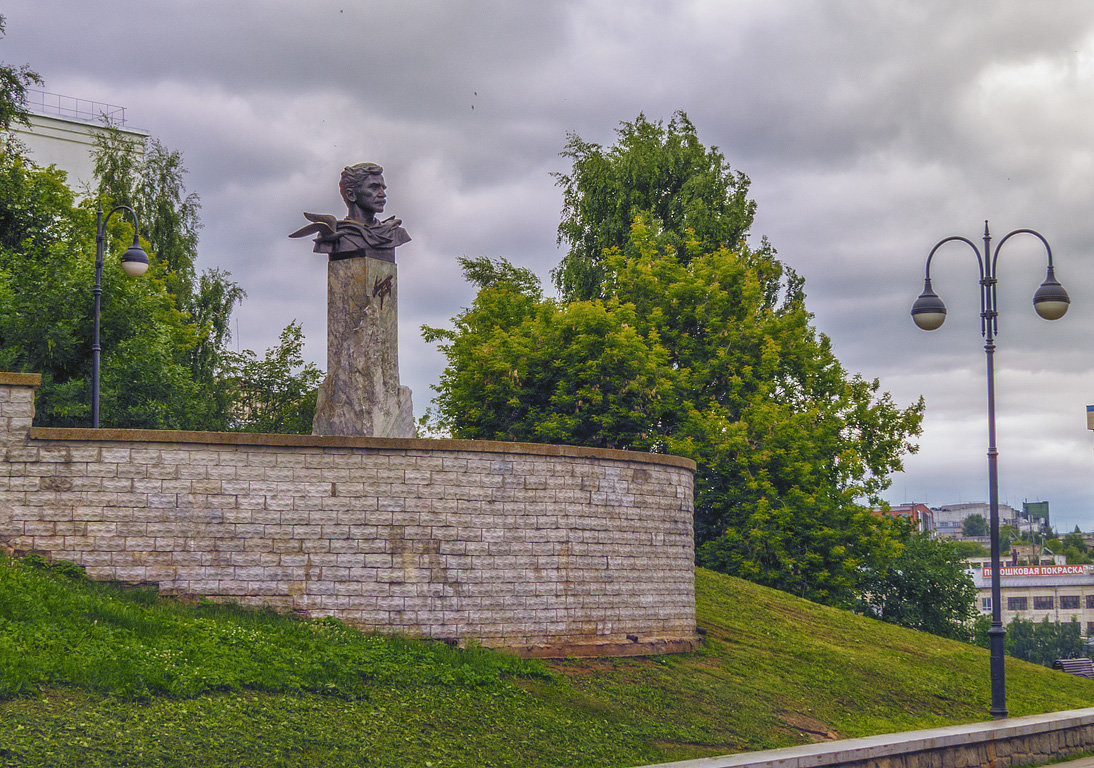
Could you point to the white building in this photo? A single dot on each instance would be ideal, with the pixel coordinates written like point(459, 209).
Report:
point(1035, 592)
point(950, 519)
point(62, 132)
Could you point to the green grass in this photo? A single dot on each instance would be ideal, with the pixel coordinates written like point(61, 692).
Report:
point(58, 628)
point(98, 675)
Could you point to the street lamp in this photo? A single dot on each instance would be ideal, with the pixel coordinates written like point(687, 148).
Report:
point(1051, 302)
point(135, 263)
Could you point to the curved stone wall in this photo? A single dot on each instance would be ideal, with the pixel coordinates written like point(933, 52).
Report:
point(544, 549)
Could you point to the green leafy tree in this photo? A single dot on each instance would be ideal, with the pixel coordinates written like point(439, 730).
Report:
point(1074, 548)
point(47, 262)
point(532, 369)
point(151, 180)
point(150, 347)
point(1075, 557)
point(211, 313)
point(974, 525)
point(14, 81)
point(925, 587)
point(967, 549)
point(17, 223)
point(1040, 642)
point(690, 347)
point(165, 359)
point(663, 174)
point(276, 393)
point(1075, 539)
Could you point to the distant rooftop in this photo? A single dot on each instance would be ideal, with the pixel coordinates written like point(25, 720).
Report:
point(69, 107)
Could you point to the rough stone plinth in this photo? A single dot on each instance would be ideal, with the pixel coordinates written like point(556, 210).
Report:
point(361, 394)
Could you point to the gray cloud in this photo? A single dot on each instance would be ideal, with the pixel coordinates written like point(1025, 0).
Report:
point(870, 131)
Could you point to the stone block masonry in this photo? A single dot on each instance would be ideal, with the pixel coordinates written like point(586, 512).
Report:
point(548, 550)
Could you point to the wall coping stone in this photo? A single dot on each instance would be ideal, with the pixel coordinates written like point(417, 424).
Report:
point(21, 379)
point(340, 441)
point(836, 753)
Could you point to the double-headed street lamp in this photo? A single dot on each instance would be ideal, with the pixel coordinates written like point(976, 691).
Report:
point(135, 263)
point(1051, 302)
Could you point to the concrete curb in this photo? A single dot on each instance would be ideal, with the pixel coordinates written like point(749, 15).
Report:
point(1006, 742)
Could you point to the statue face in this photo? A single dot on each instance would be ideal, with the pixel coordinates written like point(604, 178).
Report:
point(370, 194)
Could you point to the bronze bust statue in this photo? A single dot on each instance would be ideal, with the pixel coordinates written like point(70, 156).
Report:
point(360, 233)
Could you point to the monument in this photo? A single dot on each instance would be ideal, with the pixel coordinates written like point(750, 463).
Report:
point(361, 394)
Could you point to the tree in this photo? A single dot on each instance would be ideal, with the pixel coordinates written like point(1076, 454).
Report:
point(151, 180)
point(276, 393)
point(1038, 642)
point(1074, 548)
point(162, 368)
point(968, 549)
point(530, 369)
point(663, 174)
point(1075, 539)
point(165, 359)
point(974, 525)
point(694, 348)
point(925, 588)
point(211, 313)
point(47, 264)
point(14, 82)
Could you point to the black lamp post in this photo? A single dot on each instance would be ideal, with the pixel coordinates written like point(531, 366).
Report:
point(135, 263)
point(1051, 302)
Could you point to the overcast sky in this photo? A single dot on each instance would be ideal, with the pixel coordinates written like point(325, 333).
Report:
point(869, 130)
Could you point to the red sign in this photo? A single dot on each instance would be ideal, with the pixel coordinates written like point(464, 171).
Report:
point(1038, 570)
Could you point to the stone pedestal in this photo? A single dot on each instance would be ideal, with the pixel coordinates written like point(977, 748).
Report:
point(361, 394)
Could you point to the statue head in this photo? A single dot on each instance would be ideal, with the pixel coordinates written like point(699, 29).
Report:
point(363, 188)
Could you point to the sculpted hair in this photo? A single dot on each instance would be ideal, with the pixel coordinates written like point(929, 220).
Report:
point(353, 175)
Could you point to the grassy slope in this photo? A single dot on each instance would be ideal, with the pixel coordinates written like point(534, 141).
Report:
point(90, 675)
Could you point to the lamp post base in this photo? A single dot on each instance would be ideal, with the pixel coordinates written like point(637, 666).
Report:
point(998, 682)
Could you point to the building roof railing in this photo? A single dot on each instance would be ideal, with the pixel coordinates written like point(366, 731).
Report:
point(84, 110)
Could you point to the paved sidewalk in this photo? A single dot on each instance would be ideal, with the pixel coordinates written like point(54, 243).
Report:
point(1082, 762)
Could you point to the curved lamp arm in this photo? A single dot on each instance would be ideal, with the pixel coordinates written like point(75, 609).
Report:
point(928, 311)
point(1050, 301)
point(134, 260)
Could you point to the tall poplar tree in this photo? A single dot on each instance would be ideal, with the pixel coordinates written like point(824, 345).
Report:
point(152, 181)
point(663, 174)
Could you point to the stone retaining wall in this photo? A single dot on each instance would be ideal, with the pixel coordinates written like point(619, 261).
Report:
point(545, 549)
point(1019, 741)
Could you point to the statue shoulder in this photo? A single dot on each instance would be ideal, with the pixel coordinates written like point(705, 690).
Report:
point(394, 226)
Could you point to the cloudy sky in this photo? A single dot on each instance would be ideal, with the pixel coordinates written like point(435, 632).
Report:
point(870, 131)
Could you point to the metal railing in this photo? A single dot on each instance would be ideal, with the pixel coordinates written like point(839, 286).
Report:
point(58, 105)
